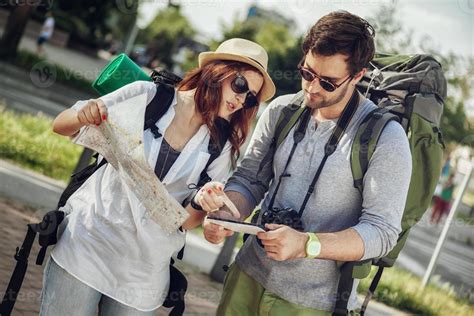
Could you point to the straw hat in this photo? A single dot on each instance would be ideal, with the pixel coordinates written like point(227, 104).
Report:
point(238, 49)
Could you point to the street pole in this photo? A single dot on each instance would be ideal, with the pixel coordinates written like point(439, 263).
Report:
point(132, 36)
point(133, 33)
point(225, 256)
point(446, 227)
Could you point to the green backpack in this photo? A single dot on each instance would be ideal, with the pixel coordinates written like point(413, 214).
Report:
point(410, 90)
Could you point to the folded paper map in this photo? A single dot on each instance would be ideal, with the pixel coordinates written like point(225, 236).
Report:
point(120, 141)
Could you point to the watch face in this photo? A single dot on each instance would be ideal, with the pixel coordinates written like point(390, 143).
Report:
point(314, 248)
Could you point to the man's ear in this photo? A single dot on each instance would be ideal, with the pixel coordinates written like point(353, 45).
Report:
point(358, 76)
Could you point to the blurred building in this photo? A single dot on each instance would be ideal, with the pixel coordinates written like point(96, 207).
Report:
point(260, 14)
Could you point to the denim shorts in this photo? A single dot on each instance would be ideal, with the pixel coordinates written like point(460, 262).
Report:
point(63, 294)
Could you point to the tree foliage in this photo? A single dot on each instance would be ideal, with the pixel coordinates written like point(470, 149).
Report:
point(166, 33)
point(391, 37)
point(14, 28)
point(282, 46)
point(89, 21)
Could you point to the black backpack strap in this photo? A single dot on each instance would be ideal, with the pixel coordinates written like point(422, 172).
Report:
point(78, 178)
point(48, 232)
point(158, 106)
point(366, 140)
point(176, 292)
point(21, 256)
point(165, 82)
point(371, 291)
point(344, 290)
point(345, 286)
point(165, 77)
point(223, 132)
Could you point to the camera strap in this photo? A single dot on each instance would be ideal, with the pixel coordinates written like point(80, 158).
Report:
point(329, 148)
point(332, 143)
point(298, 136)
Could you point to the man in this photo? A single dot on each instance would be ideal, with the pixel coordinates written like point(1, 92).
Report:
point(295, 272)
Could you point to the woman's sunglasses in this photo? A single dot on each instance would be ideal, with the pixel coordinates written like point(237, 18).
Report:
point(240, 85)
point(309, 76)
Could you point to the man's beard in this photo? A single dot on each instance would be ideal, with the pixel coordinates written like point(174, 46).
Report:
point(327, 102)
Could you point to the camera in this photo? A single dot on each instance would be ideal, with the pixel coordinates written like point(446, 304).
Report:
point(275, 215)
point(283, 216)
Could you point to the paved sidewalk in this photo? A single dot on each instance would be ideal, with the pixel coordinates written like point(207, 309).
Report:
point(88, 66)
point(201, 299)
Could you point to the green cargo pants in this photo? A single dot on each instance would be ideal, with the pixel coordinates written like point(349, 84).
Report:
point(243, 296)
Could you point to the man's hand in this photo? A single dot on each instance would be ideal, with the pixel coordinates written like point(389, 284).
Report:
point(214, 233)
point(283, 242)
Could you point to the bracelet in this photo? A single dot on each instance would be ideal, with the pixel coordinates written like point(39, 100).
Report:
point(194, 205)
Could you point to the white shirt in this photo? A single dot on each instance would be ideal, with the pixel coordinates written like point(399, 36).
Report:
point(108, 248)
point(47, 28)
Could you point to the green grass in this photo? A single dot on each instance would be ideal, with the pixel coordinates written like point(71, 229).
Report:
point(402, 290)
point(28, 141)
point(466, 218)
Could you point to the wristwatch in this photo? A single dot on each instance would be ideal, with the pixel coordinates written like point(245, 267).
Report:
point(313, 246)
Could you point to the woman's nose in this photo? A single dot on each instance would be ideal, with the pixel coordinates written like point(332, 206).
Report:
point(240, 97)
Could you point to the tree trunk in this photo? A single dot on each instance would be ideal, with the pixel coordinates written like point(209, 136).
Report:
point(217, 272)
point(15, 27)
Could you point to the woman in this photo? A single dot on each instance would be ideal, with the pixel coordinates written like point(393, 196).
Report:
point(442, 201)
point(105, 258)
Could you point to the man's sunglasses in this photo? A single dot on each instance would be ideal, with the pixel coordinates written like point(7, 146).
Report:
point(309, 76)
point(240, 85)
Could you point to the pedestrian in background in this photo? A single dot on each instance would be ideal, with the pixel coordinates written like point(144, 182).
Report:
point(443, 201)
point(46, 33)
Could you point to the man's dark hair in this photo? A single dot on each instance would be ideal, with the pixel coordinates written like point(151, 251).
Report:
point(344, 33)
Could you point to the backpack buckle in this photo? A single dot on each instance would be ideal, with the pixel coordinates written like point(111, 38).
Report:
point(155, 131)
point(377, 115)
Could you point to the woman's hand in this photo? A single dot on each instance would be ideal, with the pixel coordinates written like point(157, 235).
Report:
point(70, 121)
point(94, 112)
point(209, 196)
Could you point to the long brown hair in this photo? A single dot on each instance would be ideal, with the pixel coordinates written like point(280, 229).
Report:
point(208, 81)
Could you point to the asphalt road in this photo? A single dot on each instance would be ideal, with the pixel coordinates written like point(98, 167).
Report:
point(20, 91)
point(455, 264)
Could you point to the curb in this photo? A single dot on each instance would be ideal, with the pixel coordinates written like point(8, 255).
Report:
point(29, 188)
